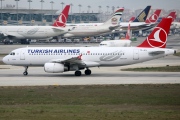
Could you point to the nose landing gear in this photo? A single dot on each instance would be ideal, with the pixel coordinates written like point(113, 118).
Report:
point(25, 71)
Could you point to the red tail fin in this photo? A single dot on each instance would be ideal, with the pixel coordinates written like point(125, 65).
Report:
point(154, 17)
point(158, 36)
point(132, 19)
point(128, 33)
point(172, 15)
point(62, 19)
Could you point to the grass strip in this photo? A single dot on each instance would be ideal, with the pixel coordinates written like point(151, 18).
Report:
point(1, 63)
point(177, 54)
point(158, 69)
point(3, 54)
point(105, 102)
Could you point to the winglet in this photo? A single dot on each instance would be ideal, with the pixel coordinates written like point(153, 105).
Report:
point(63, 17)
point(131, 19)
point(80, 57)
point(158, 37)
point(128, 33)
point(154, 17)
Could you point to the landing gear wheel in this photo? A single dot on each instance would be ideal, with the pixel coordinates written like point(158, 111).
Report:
point(78, 73)
point(25, 73)
point(88, 72)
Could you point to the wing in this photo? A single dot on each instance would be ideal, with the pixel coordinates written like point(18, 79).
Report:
point(65, 30)
point(10, 35)
point(76, 61)
point(58, 30)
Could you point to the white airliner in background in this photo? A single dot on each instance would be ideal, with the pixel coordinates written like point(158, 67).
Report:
point(62, 59)
point(37, 32)
point(149, 23)
point(118, 43)
point(136, 23)
point(108, 26)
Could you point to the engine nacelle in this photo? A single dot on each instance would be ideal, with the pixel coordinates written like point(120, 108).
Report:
point(55, 68)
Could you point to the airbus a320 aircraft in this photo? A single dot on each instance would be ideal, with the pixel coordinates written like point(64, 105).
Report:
point(62, 59)
point(37, 32)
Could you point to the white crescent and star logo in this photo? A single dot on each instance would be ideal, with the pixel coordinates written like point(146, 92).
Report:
point(160, 38)
point(171, 17)
point(153, 18)
point(61, 21)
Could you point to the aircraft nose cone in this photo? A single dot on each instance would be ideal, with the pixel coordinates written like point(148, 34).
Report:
point(5, 60)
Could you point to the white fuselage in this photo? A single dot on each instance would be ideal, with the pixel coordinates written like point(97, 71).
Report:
point(84, 24)
point(84, 31)
point(93, 29)
point(175, 25)
point(115, 43)
point(109, 56)
point(32, 32)
point(123, 25)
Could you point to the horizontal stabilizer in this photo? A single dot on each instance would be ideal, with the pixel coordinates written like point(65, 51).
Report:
point(153, 53)
point(57, 29)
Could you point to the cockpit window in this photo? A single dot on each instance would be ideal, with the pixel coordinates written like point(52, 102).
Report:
point(12, 53)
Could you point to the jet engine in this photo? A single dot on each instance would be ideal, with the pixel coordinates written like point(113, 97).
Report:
point(55, 68)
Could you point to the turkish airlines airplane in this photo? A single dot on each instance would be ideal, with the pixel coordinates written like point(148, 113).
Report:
point(170, 15)
point(118, 43)
point(108, 26)
point(174, 25)
point(37, 32)
point(62, 59)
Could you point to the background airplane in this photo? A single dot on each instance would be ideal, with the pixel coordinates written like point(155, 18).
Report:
point(108, 26)
point(147, 24)
point(37, 32)
point(141, 17)
point(62, 59)
point(170, 15)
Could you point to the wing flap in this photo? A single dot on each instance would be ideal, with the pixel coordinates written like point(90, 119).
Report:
point(71, 60)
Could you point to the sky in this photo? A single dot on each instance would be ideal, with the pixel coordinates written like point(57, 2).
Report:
point(129, 4)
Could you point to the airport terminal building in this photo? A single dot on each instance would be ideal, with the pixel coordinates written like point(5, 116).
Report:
point(12, 16)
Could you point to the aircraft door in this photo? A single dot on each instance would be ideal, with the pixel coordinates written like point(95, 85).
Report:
point(136, 55)
point(22, 55)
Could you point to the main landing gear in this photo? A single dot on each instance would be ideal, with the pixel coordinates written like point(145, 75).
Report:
point(87, 72)
point(77, 73)
point(25, 71)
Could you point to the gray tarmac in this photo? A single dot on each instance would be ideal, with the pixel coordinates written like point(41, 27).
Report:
point(12, 75)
